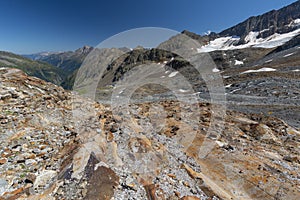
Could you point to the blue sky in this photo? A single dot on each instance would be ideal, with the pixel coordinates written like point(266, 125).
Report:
point(29, 26)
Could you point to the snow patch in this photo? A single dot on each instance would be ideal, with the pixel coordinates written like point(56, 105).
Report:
point(222, 43)
point(264, 30)
point(277, 39)
point(226, 76)
point(295, 22)
point(215, 70)
point(182, 90)
point(221, 144)
point(173, 74)
point(264, 69)
point(235, 91)
point(237, 62)
point(251, 37)
point(208, 32)
point(269, 61)
point(287, 55)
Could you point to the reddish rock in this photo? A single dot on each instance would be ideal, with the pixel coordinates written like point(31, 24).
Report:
point(3, 161)
point(189, 198)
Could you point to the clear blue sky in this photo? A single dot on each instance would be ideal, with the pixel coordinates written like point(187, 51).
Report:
point(29, 26)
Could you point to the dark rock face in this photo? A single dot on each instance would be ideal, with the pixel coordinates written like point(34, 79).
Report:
point(201, 39)
point(275, 21)
point(101, 181)
point(226, 59)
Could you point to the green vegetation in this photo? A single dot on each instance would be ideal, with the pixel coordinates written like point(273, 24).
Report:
point(33, 68)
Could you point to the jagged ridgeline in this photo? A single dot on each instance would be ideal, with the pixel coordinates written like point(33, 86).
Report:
point(276, 21)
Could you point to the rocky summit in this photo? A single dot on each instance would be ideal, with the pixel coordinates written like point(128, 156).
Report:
point(54, 147)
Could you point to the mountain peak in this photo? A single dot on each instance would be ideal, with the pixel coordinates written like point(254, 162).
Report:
point(85, 49)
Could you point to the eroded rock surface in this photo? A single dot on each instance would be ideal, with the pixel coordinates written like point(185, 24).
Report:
point(56, 145)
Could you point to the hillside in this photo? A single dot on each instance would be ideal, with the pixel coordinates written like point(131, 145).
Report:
point(47, 154)
point(68, 61)
point(33, 68)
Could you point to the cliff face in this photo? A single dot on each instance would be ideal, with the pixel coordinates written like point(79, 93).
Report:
point(276, 21)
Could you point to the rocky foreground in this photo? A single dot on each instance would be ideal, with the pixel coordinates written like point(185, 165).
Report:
point(48, 152)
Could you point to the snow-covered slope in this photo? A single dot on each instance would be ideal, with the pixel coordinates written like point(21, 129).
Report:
point(252, 40)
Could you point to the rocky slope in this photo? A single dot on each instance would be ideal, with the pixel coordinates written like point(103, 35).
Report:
point(47, 152)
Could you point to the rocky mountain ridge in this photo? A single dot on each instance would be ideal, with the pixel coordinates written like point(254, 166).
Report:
point(279, 21)
point(67, 61)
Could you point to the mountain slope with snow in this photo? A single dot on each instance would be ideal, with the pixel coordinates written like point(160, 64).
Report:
point(251, 40)
point(280, 21)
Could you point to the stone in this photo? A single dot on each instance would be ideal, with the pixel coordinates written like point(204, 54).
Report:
point(102, 183)
point(190, 198)
point(109, 136)
point(30, 162)
point(191, 172)
point(3, 161)
point(30, 178)
point(44, 179)
point(265, 133)
point(3, 186)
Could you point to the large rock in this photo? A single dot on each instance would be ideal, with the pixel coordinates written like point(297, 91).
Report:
point(44, 179)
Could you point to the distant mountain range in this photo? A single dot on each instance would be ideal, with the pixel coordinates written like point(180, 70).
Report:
point(250, 40)
point(36, 68)
point(68, 61)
